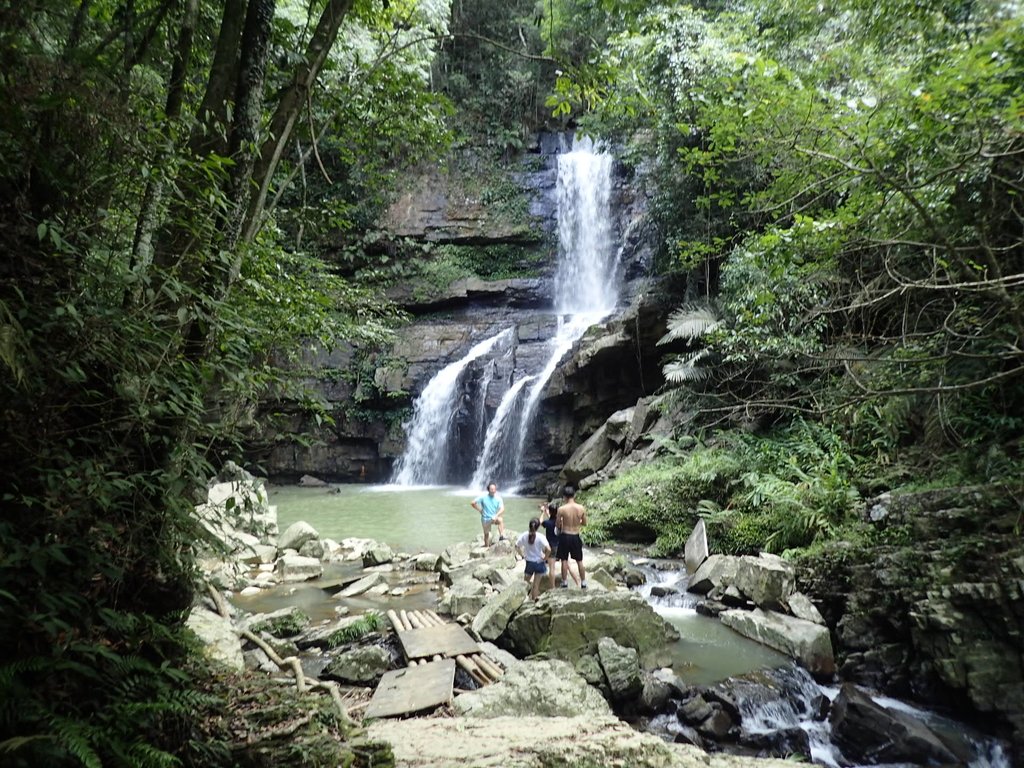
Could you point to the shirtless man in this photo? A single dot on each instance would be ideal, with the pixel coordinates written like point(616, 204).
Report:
point(571, 518)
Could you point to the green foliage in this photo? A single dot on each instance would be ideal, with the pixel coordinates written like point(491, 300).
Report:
point(846, 188)
point(774, 492)
point(493, 71)
point(370, 622)
point(149, 299)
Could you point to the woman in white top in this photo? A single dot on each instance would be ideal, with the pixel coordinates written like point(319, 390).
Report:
point(534, 549)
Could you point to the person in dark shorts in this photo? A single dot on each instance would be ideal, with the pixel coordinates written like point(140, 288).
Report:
point(571, 518)
point(549, 513)
point(534, 549)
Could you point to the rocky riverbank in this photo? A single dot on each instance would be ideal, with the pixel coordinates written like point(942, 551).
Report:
point(591, 655)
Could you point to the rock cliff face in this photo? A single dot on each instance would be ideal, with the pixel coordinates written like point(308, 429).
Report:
point(369, 393)
point(940, 617)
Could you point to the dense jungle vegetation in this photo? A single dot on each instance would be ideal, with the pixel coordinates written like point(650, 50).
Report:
point(842, 183)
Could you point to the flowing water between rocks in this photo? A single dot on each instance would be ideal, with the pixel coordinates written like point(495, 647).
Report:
point(775, 695)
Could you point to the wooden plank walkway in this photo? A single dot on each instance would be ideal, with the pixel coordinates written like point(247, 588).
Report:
point(447, 640)
point(413, 689)
point(428, 641)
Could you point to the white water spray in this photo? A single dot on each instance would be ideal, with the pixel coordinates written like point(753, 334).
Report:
point(426, 455)
point(586, 291)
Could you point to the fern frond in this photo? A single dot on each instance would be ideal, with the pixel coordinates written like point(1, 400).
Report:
point(685, 368)
point(690, 322)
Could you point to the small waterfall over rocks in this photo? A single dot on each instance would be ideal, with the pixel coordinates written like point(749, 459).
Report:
point(426, 459)
point(585, 291)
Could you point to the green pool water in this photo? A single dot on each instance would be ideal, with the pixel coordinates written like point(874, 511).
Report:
point(411, 520)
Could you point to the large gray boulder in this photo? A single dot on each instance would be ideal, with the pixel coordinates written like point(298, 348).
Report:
point(532, 688)
point(377, 554)
point(621, 668)
point(220, 640)
point(716, 571)
point(466, 596)
point(364, 584)
point(298, 568)
point(590, 457)
point(766, 580)
point(297, 534)
point(800, 605)
point(805, 641)
point(539, 742)
point(568, 623)
point(359, 666)
point(492, 619)
point(695, 551)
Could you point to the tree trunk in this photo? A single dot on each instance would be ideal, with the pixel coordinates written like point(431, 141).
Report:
point(288, 110)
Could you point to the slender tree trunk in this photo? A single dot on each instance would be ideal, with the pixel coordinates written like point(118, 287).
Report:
point(149, 218)
point(213, 110)
point(288, 110)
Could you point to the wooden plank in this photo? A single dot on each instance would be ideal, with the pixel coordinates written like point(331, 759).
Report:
point(415, 689)
point(449, 640)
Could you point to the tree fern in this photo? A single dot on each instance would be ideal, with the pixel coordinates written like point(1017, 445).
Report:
point(685, 368)
point(690, 322)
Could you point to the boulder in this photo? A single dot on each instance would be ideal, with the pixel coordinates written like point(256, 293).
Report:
point(298, 568)
point(805, 641)
point(568, 623)
point(308, 481)
point(655, 694)
point(466, 596)
point(492, 619)
point(377, 554)
point(695, 551)
point(717, 570)
point(313, 548)
point(767, 580)
point(220, 640)
point(259, 553)
point(868, 732)
point(621, 668)
point(360, 666)
point(296, 535)
point(427, 562)
point(533, 741)
point(535, 688)
point(800, 605)
point(590, 457)
point(364, 584)
point(284, 622)
point(319, 637)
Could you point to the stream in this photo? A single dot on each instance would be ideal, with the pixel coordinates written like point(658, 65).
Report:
point(782, 695)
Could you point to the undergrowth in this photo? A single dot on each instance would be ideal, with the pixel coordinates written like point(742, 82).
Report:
point(774, 492)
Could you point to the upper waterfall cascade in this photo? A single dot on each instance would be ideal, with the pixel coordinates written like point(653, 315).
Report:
point(585, 291)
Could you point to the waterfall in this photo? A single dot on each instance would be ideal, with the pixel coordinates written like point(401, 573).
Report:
point(425, 460)
point(586, 291)
point(495, 455)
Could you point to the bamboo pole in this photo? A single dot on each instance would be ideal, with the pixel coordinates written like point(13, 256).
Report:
point(490, 667)
point(471, 668)
point(396, 622)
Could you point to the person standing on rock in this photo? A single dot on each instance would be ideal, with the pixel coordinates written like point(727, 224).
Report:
point(491, 509)
point(549, 521)
point(534, 549)
point(571, 518)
